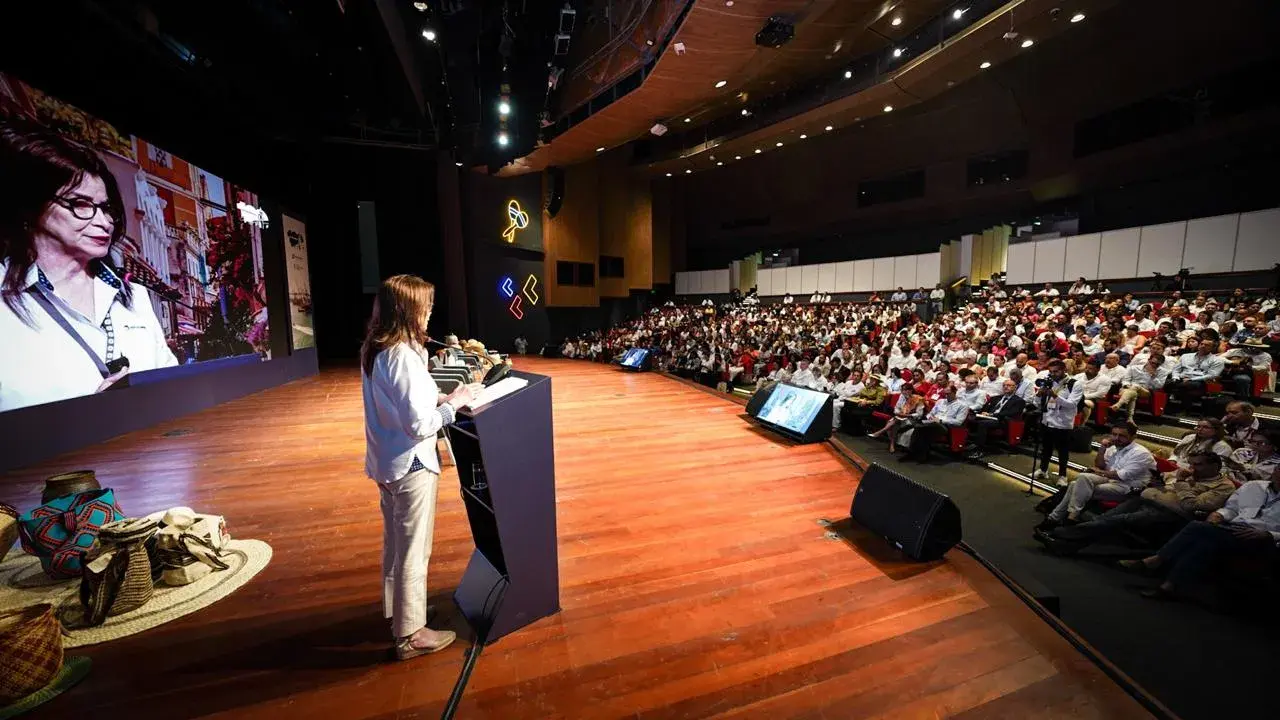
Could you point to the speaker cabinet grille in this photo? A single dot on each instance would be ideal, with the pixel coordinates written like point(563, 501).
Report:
point(921, 521)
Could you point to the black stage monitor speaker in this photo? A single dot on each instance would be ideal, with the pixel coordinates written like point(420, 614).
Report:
point(924, 523)
point(555, 190)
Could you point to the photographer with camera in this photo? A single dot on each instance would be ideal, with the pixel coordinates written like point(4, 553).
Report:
point(1059, 397)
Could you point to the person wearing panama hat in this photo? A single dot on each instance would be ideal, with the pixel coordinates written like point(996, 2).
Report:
point(1245, 359)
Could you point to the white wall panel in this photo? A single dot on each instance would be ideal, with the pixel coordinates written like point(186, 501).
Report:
point(793, 280)
point(809, 279)
point(1258, 243)
point(1160, 249)
point(721, 282)
point(1051, 256)
point(883, 274)
point(863, 275)
point(928, 270)
point(1022, 263)
point(1083, 252)
point(764, 282)
point(1118, 257)
point(827, 277)
point(1211, 244)
point(966, 256)
point(682, 283)
point(904, 272)
point(844, 277)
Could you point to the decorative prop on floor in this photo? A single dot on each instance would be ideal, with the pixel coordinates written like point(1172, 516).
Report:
point(71, 483)
point(8, 529)
point(33, 669)
point(61, 530)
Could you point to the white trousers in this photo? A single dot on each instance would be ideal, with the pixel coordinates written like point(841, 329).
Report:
point(408, 522)
point(1085, 487)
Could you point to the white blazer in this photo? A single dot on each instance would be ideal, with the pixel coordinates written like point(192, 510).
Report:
point(401, 418)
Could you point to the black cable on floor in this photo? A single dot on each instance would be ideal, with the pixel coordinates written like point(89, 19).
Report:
point(1151, 704)
point(477, 646)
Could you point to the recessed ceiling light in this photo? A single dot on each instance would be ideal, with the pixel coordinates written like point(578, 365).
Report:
point(737, 157)
point(985, 64)
point(728, 3)
point(504, 108)
point(803, 136)
point(458, 164)
point(828, 128)
point(686, 172)
point(720, 163)
point(958, 13)
point(897, 52)
point(421, 7)
point(649, 43)
point(896, 21)
point(503, 139)
point(668, 174)
point(599, 149)
point(722, 83)
point(888, 108)
point(778, 145)
point(848, 74)
point(1028, 43)
point(1077, 17)
point(758, 151)
point(687, 119)
point(429, 34)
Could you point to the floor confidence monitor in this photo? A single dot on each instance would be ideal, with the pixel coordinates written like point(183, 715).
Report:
point(797, 413)
point(636, 359)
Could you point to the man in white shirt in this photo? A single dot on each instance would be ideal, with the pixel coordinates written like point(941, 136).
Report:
point(1249, 524)
point(946, 413)
point(1096, 386)
point(1112, 369)
point(1028, 372)
point(1048, 291)
point(803, 376)
point(1139, 382)
point(971, 394)
point(1121, 468)
point(1061, 396)
point(899, 295)
point(993, 384)
point(1193, 370)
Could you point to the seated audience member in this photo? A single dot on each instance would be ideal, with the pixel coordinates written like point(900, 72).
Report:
point(1096, 386)
point(860, 406)
point(946, 413)
point(1080, 287)
point(1026, 390)
point(906, 413)
point(1204, 489)
point(1207, 438)
point(850, 384)
point(1121, 468)
point(1256, 459)
point(1240, 423)
point(1111, 368)
point(1242, 362)
point(998, 410)
point(803, 376)
point(1058, 397)
point(1187, 381)
point(1048, 291)
point(970, 394)
point(1020, 363)
point(1139, 383)
point(993, 384)
point(1248, 525)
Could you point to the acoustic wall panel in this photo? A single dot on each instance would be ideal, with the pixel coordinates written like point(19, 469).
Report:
point(904, 272)
point(793, 280)
point(1118, 257)
point(1051, 256)
point(720, 281)
point(928, 270)
point(882, 274)
point(809, 279)
point(682, 283)
point(1160, 248)
point(966, 257)
point(1022, 263)
point(863, 275)
point(1256, 244)
point(827, 277)
point(764, 282)
point(1082, 257)
point(844, 277)
point(1211, 244)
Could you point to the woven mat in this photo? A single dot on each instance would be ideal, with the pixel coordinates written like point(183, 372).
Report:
point(23, 583)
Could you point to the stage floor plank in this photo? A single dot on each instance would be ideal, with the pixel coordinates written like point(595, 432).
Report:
point(696, 579)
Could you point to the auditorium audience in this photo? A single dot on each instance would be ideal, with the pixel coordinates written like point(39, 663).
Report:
point(906, 413)
point(1121, 467)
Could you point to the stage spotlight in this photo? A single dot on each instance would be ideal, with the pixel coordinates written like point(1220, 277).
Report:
point(897, 52)
point(958, 13)
point(429, 34)
point(745, 112)
point(504, 108)
point(848, 74)
point(1028, 43)
point(421, 7)
point(1077, 17)
point(503, 139)
point(896, 21)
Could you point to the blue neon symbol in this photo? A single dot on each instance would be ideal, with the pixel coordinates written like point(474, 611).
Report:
point(508, 287)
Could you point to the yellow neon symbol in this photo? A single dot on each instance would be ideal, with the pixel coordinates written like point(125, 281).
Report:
point(529, 292)
point(519, 221)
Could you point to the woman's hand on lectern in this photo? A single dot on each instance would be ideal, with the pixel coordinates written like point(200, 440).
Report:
point(465, 394)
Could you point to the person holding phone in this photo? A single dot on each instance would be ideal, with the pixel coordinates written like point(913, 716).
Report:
point(71, 325)
point(403, 413)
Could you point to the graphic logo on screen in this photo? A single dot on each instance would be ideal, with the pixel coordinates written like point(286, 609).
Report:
point(518, 220)
point(174, 253)
point(635, 357)
point(507, 288)
point(792, 407)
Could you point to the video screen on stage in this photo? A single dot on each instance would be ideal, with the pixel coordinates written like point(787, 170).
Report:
point(120, 262)
point(635, 357)
point(793, 408)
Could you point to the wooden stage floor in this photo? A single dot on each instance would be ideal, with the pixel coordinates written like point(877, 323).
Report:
point(696, 579)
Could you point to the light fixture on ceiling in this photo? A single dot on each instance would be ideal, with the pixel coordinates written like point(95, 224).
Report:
point(429, 34)
point(688, 172)
point(504, 108)
point(503, 139)
point(421, 7)
point(745, 112)
point(897, 52)
point(958, 13)
point(1077, 17)
point(720, 163)
point(803, 136)
point(896, 21)
point(649, 43)
point(728, 3)
point(721, 84)
point(985, 64)
point(888, 108)
point(668, 174)
point(687, 119)
point(829, 128)
point(778, 145)
point(459, 164)
point(848, 74)
point(599, 149)
point(758, 151)
point(737, 157)
point(1028, 43)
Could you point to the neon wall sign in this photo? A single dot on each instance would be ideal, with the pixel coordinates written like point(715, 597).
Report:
point(517, 220)
point(507, 289)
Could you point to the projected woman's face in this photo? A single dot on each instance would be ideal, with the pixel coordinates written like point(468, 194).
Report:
point(64, 222)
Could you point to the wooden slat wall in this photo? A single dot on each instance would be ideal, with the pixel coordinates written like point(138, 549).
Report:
point(574, 234)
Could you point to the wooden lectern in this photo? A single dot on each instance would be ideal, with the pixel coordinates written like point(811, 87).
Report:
point(513, 578)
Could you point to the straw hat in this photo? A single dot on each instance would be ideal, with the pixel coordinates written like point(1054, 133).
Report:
point(8, 528)
point(69, 483)
point(32, 667)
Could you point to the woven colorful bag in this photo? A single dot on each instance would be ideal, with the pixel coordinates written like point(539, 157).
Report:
point(32, 643)
point(60, 531)
point(117, 572)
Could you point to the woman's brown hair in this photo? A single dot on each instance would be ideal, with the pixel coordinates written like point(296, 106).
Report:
point(399, 312)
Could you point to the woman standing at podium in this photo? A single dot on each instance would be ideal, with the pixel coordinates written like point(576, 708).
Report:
point(403, 413)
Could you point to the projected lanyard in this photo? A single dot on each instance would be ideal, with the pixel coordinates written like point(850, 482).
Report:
point(43, 300)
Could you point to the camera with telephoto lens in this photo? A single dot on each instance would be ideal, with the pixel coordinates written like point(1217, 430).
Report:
point(1044, 382)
